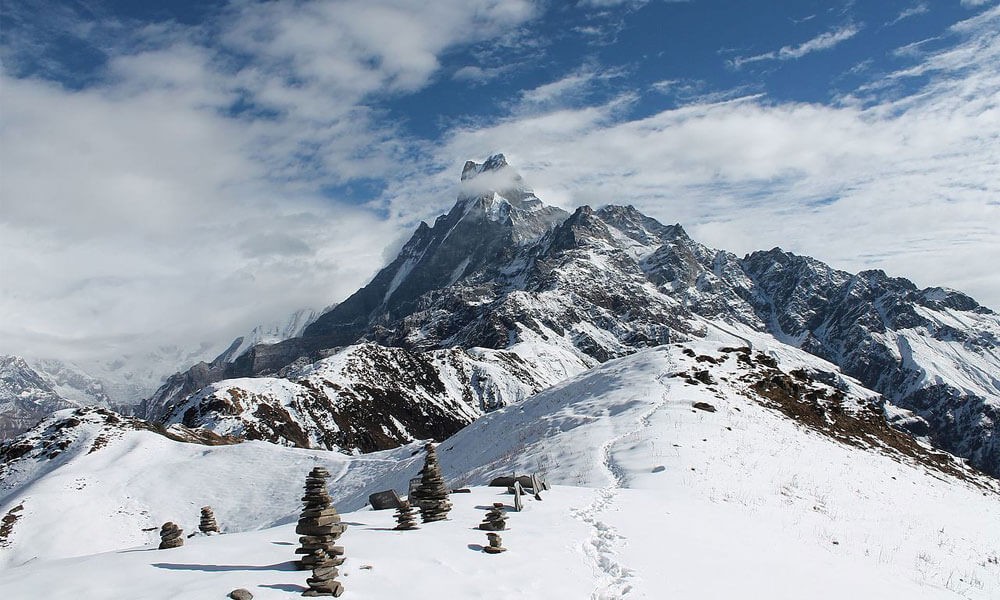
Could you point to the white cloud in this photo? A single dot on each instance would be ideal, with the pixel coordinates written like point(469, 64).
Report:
point(824, 41)
point(917, 9)
point(567, 89)
point(142, 210)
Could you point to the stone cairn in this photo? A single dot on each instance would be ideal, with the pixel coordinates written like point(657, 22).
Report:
point(323, 581)
point(320, 526)
point(406, 517)
point(495, 546)
point(432, 493)
point(207, 525)
point(495, 519)
point(171, 536)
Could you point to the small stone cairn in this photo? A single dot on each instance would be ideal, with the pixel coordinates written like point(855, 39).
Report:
point(495, 519)
point(495, 546)
point(320, 527)
point(171, 536)
point(406, 517)
point(432, 493)
point(207, 525)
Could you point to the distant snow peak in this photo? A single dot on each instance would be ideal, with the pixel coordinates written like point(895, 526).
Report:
point(270, 333)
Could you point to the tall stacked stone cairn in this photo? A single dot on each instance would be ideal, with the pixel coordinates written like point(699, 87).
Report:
point(432, 493)
point(320, 527)
point(171, 536)
point(207, 525)
point(406, 517)
point(495, 519)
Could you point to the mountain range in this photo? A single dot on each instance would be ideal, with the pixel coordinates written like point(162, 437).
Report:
point(520, 295)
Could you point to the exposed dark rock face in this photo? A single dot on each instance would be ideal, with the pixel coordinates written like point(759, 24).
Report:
point(483, 232)
point(364, 398)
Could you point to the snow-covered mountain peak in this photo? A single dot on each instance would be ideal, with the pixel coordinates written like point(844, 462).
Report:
point(473, 169)
point(495, 191)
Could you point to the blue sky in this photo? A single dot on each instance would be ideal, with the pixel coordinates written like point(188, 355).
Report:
point(177, 173)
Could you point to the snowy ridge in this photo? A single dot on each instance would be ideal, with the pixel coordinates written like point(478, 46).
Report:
point(368, 397)
point(629, 430)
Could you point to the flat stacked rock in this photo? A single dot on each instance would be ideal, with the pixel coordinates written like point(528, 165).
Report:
point(323, 581)
point(171, 536)
point(406, 517)
point(432, 493)
point(495, 546)
point(495, 519)
point(207, 524)
point(319, 525)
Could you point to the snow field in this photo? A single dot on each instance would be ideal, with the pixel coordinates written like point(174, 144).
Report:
point(648, 547)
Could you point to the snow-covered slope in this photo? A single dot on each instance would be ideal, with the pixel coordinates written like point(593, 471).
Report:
point(782, 452)
point(768, 477)
point(88, 481)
